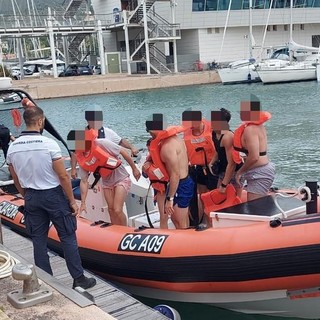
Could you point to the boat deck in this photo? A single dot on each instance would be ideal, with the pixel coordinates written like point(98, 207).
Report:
point(108, 298)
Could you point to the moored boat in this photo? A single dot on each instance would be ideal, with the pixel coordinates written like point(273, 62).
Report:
point(241, 71)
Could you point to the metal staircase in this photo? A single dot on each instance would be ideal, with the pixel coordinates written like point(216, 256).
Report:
point(73, 7)
point(158, 30)
point(74, 46)
point(158, 61)
point(75, 53)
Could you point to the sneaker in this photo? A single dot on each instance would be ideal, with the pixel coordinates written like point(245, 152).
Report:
point(84, 282)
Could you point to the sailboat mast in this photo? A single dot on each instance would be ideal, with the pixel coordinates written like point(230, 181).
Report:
point(291, 21)
point(250, 29)
point(290, 32)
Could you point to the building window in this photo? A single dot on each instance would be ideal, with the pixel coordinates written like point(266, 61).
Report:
point(285, 27)
point(216, 30)
point(209, 30)
point(221, 5)
point(274, 28)
point(268, 28)
point(316, 41)
point(198, 5)
point(211, 5)
point(301, 26)
point(237, 5)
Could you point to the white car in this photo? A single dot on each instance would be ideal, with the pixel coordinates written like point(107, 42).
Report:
point(48, 70)
point(16, 73)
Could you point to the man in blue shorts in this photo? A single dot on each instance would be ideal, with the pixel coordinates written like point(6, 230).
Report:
point(171, 154)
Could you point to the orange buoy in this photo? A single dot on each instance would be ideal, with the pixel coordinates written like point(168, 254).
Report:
point(26, 102)
point(16, 117)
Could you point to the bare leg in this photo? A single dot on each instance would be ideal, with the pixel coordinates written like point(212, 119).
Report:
point(163, 217)
point(109, 196)
point(120, 195)
point(202, 217)
point(180, 217)
point(115, 200)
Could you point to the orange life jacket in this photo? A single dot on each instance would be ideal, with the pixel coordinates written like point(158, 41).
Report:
point(215, 200)
point(157, 172)
point(237, 144)
point(200, 148)
point(96, 159)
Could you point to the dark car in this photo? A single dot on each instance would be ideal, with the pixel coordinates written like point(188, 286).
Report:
point(76, 70)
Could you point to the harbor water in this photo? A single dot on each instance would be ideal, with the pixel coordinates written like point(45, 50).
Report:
point(293, 131)
point(293, 135)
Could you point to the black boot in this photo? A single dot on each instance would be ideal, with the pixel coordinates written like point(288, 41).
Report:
point(84, 282)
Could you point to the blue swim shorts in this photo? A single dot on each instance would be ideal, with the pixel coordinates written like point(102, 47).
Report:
point(184, 192)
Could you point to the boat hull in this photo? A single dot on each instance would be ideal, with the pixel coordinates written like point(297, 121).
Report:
point(287, 74)
point(254, 268)
point(238, 75)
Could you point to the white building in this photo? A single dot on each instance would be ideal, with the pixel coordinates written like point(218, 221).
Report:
point(202, 23)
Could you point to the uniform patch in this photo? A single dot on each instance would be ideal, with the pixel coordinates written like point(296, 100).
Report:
point(147, 243)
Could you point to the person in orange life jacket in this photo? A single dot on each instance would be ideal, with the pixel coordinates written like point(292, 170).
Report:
point(38, 171)
point(223, 162)
point(170, 161)
point(251, 139)
point(200, 148)
point(94, 120)
point(116, 183)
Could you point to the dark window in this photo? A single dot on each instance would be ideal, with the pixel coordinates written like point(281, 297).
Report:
point(236, 5)
point(211, 5)
point(198, 5)
point(223, 4)
point(316, 41)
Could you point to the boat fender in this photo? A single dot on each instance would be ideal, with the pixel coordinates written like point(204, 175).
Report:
point(168, 311)
point(275, 223)
point(249, 77)
point(26, 102)
point(16, 117)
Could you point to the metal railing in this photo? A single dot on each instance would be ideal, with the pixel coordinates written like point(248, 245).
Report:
point(81, 20)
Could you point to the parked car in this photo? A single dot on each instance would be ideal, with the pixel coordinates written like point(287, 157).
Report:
point(16, 73)
point(96, 69)
point(76, 70)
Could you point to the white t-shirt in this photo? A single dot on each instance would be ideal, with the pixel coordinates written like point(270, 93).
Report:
point(111, 135)
point(31, 156)
point(118, 174)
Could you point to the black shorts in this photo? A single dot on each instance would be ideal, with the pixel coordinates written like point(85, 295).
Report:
point(203, 177)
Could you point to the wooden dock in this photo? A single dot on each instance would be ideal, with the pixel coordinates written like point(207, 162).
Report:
point(108, 298)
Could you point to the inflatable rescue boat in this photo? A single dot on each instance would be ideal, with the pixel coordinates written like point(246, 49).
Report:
point(258, 257)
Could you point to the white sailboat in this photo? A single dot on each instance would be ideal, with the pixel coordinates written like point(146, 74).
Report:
point(241, 71)
point(302, 69)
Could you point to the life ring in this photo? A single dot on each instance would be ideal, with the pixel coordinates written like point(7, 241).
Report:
point(26, 102)
point(16, 117)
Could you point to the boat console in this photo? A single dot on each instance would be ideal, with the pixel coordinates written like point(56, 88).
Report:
point(259, 210)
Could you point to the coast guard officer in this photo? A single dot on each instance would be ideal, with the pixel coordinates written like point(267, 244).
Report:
point(38, 171)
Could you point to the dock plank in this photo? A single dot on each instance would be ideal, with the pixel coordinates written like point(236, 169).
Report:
point(108, 298)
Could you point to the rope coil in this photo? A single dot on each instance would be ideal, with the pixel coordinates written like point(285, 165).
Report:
point(6, 264)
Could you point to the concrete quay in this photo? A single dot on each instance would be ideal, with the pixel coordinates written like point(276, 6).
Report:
point(47, 87)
